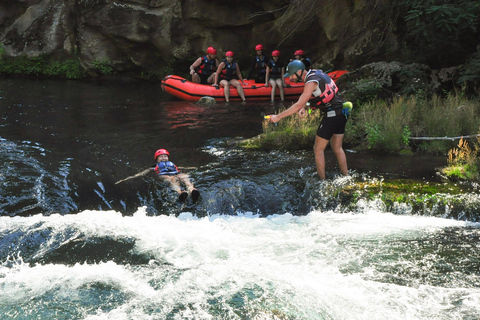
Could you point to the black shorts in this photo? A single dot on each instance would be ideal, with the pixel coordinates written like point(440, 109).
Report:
point(204, 78)
point(330, 126)
point(260, 79)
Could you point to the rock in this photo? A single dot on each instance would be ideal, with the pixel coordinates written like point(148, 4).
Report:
point(206, 100)
point(153, 36)
point(386, 79)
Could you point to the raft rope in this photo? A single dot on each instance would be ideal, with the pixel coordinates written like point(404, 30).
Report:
point(446, 138)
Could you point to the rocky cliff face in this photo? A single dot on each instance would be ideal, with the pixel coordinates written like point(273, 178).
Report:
point(139, 35)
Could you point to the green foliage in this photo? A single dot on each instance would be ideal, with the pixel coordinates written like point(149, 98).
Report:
point(441, 30)
point(365, 90)
point(462, 162)
point(388, 127)
point(470, 72)
point(374, 134)
point(289, 133)
point(406, 136)
point(38, 66)
point(103, 66)
point(384, 126)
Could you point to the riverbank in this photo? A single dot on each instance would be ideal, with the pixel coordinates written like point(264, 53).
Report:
point(405, 125)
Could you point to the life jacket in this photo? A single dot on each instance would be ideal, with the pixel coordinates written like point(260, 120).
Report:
point(261, 65)
point(166, 168)
point(207, 66)
point(230, 70)
point(275, 69)
point(307, 63)
point(324, 96)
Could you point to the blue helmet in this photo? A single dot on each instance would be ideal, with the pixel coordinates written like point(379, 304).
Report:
point(293, 67)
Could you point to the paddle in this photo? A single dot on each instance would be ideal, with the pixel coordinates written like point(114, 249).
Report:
point(144, 172)
point(140, 174)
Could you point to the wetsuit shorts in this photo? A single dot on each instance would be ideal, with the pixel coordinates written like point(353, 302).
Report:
point(204, 78)
point(260, 79)
point(330, 126)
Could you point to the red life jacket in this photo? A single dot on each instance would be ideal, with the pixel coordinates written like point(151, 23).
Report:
point(326, 85)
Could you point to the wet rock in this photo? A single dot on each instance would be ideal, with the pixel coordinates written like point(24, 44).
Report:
point(206, 100)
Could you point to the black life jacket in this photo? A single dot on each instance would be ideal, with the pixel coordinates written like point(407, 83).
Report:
point(275, 69)
point(207, 66)
point(230, 70)
point(261, 65)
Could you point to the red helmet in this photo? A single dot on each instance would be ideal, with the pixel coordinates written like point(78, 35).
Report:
point(299, 53)
point(160, 152)
point(275, 53)
point(258, 47)
point(229, 54)
point(211, 50)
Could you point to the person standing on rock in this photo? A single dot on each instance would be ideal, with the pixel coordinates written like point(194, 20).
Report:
point(319, 91)
point(259, 65)
point(228, 71)
point(203, 69)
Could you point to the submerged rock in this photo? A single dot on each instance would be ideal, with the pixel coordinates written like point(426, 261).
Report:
point(206, 100)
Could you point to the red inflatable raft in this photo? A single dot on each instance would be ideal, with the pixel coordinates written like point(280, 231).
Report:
point(186, 90)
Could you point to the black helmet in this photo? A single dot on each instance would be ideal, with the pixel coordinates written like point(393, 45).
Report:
point(293, 67)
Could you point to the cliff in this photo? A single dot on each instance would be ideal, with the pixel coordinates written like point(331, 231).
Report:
point(159, 36)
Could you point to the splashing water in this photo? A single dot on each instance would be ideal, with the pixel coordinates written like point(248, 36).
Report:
point(319, 266)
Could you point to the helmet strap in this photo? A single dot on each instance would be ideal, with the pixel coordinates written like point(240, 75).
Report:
point(298, 77)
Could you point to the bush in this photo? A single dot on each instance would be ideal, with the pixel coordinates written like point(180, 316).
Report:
point(462, 162)
point(289, 133)
point(38, 66)
point(441, 31)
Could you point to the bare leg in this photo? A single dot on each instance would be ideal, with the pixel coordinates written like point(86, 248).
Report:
point(211, 78)
point(336, 144)
point(319, 152)
point(280, 88)
point(183, 177)
point(174, 183)
point(196, 78)
point(226, 89)
point(273, 83)
point(239, 88)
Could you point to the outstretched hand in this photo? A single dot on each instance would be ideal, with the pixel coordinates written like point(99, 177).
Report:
point(273, 118)
point(302, 113)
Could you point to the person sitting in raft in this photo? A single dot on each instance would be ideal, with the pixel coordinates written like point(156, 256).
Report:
point(168, 171)
point(203, 69)
point(274, 75)
point(300, 55)
point(259, 65)
point(228, 70)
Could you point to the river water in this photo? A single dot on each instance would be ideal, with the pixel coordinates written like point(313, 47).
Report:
point(261, 243)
